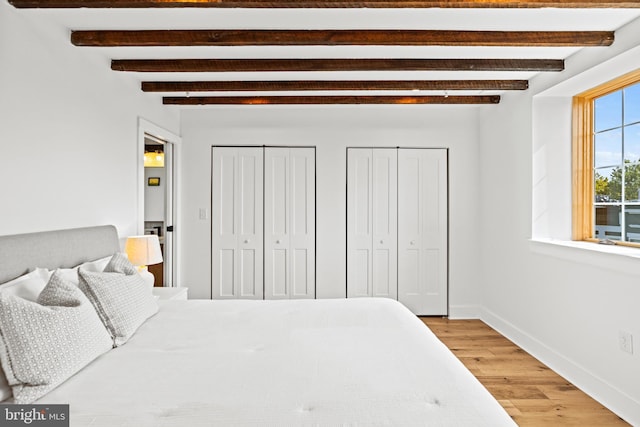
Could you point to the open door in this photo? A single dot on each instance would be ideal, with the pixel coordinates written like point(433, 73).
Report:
point(169, 215)
point(158, 199)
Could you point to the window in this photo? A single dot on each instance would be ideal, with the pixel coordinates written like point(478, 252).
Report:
point(606, 162)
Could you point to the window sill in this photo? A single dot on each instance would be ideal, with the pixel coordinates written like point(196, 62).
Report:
point(611, 257)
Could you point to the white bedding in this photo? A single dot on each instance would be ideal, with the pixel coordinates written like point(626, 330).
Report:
point(347, 362)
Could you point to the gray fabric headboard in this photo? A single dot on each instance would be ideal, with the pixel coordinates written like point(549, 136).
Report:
point(21, 253)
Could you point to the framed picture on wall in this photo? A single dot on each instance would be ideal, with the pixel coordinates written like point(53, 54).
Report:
point(153, 181)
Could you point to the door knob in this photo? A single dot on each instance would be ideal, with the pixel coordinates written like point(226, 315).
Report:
point(412, 242)
point(246, 241)
point(381, 241)
point(278, 242)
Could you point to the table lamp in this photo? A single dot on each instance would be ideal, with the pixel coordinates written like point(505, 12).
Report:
point(143, 251)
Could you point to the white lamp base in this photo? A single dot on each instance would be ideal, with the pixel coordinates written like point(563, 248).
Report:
point(149, 278)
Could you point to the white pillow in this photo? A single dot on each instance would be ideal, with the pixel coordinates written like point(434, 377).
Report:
point(120, 296)
point(71, 274)
point(27, 286)
point(45, 342)
point(97, 265)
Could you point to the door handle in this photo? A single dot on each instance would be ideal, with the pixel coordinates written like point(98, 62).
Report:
point(246, 241)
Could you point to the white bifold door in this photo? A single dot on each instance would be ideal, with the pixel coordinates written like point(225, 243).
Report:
point(372, 223)
point(290, 222)
point(423, 230)
point(237, 222)
point(397, 226)
point(263, 222)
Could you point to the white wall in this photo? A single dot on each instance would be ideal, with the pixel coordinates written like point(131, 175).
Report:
point(561, 302)
point(331, 130)
point(154, 196)
point(68, 133)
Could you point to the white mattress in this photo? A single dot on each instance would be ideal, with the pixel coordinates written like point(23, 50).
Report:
point(348, 362)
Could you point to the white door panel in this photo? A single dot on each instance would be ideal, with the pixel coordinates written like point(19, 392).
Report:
point(224, 273)
point(359, 236)
point(385, 222)
point(371, 222)
point(276, 183)
point(224, 239)
point(303, 220)
point(237, 202)
point(250, 283)
point(289, 223)
point(422, 232)
point(301, 279)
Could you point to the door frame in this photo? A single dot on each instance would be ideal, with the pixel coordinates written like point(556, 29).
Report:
point(147, 127)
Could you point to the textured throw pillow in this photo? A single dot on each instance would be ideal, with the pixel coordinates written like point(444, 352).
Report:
point(45, 342)
point(120, 296)
point(28, 287)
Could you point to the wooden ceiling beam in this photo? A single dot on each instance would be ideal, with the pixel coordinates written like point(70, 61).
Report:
point(342, 64)
point(297, 4)
point(330, 85)
point(318, 100)
point(113, 38)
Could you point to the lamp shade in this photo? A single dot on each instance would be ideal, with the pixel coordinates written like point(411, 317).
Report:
point(153, 160)
point(143, 250)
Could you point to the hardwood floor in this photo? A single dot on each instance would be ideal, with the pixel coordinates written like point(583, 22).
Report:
point(530, 392)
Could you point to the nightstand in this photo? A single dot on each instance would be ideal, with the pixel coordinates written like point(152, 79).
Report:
point(171, 293)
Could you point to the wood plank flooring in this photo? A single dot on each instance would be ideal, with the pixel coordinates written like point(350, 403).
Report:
point(530, 392)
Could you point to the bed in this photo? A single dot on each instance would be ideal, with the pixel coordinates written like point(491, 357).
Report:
point(340, 362)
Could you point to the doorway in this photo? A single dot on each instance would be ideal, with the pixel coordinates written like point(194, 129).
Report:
point(157, 213)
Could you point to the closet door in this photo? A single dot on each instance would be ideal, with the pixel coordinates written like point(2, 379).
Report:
point(289, 217)
point(237, 222)
point(372, 222)
point(422, 230)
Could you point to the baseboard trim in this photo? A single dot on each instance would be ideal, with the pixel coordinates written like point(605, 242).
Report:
point(464, 312)
point(617, 401)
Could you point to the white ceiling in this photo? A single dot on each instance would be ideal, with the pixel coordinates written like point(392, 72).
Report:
point(431, 19)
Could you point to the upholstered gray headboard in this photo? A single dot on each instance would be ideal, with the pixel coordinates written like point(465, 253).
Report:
point(20, 253)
